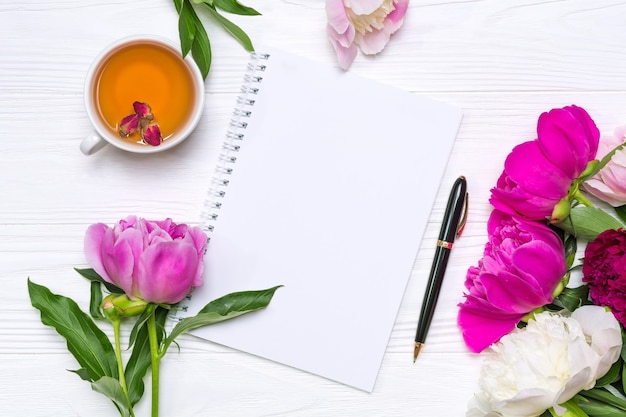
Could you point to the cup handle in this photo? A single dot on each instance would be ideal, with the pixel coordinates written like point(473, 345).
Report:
point(92, 144)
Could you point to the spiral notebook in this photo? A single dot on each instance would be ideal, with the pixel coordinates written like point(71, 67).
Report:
point(326, 184)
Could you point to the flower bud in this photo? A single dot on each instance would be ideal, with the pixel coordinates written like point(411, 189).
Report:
point(129, 125)
point(561, 211)
point(109, 309)
point(152, 135)
point(590, 169)
point(143, 110)
point(127, 307)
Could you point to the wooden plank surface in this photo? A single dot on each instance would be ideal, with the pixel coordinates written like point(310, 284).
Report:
point(503, 62)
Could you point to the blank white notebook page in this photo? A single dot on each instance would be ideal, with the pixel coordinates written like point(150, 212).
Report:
point(333, 184)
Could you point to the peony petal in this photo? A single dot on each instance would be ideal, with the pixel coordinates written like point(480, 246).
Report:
point(569, 138)
point(543, 264)
point(516, 201)
point(482, 326)
point(529, 168)
point(605, 333)
point(512, 293)
point(363, 6)
point(397, 15)
point(199, 240)
point(528, 402)
point(167, 271)
point(338, 18)
point(119, 260)
point(373, 42)
point(93, 249)
point(345, 55)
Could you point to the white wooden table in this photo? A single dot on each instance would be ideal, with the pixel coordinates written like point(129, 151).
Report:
point(503, 62)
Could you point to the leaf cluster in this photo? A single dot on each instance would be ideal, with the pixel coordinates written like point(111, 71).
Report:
point(95, 353)
point(193, 36)
point(608, 397)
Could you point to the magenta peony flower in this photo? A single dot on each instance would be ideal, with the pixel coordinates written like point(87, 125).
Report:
point(523, 263)
point(604, 269)
point(364, 24)
point(609, 185)
point(157, 261)
point(539, 173)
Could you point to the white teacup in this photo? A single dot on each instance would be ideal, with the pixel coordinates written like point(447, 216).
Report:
point(149, 70)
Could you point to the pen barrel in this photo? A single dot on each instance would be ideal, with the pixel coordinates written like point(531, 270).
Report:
point(432, 292)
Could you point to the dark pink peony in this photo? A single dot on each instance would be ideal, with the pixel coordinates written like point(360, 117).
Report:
point(539, 173)
point(157, 261)
point(604, 269)
point(523, 263)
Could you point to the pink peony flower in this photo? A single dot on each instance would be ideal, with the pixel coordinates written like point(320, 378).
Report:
point(157, 261)
point(364, 24)
point(604, 269)
point(523, 263)
point(539, 173)
point(609, 185)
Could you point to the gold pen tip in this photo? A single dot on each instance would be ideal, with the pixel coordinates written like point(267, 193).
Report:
point(417, 348)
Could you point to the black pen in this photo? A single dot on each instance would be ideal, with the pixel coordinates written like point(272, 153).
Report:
point(451, 227)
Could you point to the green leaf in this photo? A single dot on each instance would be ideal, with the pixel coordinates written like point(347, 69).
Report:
point(139, 361)
point(193, 38)
point(623, 360)
point(232, 28)
point(588, 222)
point(621, 212)
point(572, 409)
point(570, 250)
point(599, 396)
point(89, 345)
point(201, 49)
point(83, 374)
point(186, 26)
point(95, 300)
point(572, 298)
point(224, 308)
point(231, 6)
point(92, 275)
point(112, 389)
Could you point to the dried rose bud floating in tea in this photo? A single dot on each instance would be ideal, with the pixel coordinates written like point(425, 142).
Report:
point(152, 78)
point(152, 135)
point(142, 122)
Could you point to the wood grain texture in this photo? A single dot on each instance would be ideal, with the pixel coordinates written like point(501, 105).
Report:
point(503, 62)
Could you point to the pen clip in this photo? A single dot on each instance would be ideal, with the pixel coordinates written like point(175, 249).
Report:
point(463, 221)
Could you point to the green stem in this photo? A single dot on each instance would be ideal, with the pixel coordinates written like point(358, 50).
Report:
point(120, 365)
point(580, 197)
point(155, 359)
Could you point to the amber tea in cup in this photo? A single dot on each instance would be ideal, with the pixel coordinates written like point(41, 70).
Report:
point(149, 71)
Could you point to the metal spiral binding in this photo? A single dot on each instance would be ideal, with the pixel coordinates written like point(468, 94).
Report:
point(234, 138)
point(228, 157)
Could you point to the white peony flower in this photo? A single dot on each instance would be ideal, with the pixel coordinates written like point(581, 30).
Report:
point(546, 363)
